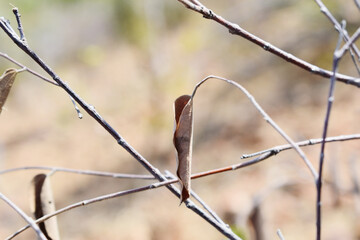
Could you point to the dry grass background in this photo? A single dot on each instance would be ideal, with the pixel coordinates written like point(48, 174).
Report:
point(131, 59)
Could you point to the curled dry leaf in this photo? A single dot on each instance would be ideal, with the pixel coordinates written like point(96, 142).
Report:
point(183, 136)
point(6, 82)
point(42, 203)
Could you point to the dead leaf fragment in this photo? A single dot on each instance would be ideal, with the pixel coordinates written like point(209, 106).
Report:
point(42, 203)
point(183, 136)
point(6, 82)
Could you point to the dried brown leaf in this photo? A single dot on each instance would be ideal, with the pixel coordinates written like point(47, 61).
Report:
point(6, 82)
point(183, 136)
point(42, 203)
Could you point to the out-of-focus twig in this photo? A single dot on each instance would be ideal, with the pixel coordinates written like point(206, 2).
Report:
point(237, 30)
point(354, 175)
point(335, 181)
point(278, 232)
point(357, 3)
point(256, 221)
point(337, 26)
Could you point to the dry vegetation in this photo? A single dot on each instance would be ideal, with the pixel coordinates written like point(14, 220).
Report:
point(131, 65)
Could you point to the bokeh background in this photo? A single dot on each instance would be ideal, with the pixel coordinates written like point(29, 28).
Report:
point(131, 60)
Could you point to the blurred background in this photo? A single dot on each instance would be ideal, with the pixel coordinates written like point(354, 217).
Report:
point(131, 60)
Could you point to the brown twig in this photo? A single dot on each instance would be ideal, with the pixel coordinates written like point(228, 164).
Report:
point(237, 30)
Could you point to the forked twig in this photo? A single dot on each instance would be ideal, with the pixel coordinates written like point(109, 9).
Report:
point(202, 203)
point(269, 153)
point(308, 142)
point(339, 53)
point(267, 119)
point(4, 55)
point(188, 202)
point(237, 30)
point(337, 26)
point(39, 76)
point(120, 140)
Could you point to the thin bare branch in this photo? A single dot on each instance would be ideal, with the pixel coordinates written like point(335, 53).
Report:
point(313, 141)
point(28, 219)
point(82, 203)
point(339, 53)
point(196, 2)
point(267, 119)
point(325, 129)
point(119, 139)
point(237, 30)
point(4, 55)
point(269, 153)
point(356, 64)
point(197, 197)
point(337, 26)
point(39, 76)
point(83, 172)
point(188, 202)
